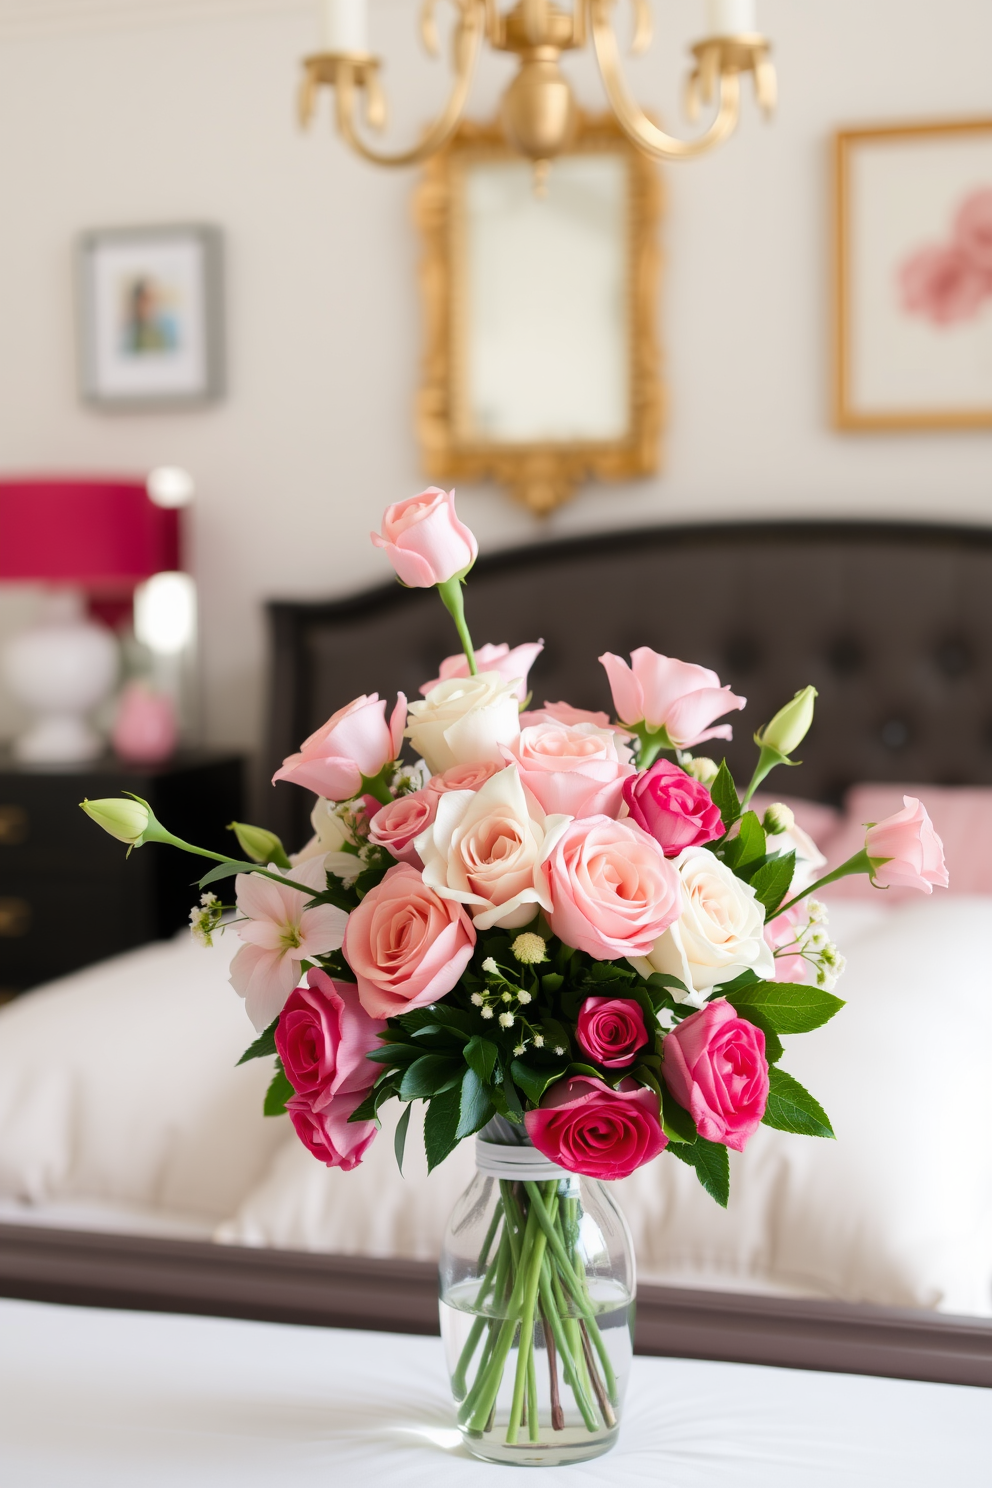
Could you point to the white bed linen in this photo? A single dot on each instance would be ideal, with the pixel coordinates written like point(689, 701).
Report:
point(92, 1399)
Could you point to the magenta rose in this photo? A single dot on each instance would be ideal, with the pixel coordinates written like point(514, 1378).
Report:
point(424, 540)
point(676, 810)
point(611, 1030)
point(329, 1134)
point(406, 945)
point(905, 851)
point(322, 1038)
point(586, 1127)
point(396, 825)
point(355, 741)
point(715, 1066)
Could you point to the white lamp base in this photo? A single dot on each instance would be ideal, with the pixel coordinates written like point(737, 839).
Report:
point(59, 739)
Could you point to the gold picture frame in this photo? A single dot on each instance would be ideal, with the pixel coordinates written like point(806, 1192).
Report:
point(540, 472)
point(910, 336)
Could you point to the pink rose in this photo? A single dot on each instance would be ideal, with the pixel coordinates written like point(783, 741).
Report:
point(905, 850)
point(613, 891)
point(565, 713)
point(406, 945)
point(512, 666)
point(395, 826)
point(586, 1127)
point(424, 540)
point(677, 696)
point(715, 1066)
point(322, 1038)
point(973, 230)
point(465, 777)
point(354, 742)
point(574, 769)
point(676, 810)
point(329, 1135)
point(611, 1030)
point(942, 284)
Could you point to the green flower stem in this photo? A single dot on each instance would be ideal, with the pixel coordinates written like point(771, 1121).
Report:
point(552, 1314)
point(531, 1272)
point(378, 785)
point(860, 863)
point(494, 1279)
point(454, 602)
point(533, 1424)
point(768, 758)
point(202, 852)
point(481, 1398)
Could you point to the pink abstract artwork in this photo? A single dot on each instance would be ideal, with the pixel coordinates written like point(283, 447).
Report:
point(947, 283)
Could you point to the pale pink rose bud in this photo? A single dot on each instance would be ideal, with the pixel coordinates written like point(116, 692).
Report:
point(512, 666)
point(715, 1066)
point(424, 540)
point(677, 696)
point(586, 1127)
point(572, 769)
point(354, 742)
point(914, 852)
point(465, 777)
point(395, 826)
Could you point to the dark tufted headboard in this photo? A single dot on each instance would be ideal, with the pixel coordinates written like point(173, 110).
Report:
point(891, 622)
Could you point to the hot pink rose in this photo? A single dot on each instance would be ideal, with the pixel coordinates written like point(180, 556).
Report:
point(914, 852)
point(677, 696)
point(395, 826)
point(586, 1127)
point(942, 284)
point(973, 230)
point(354, 741)
point(572, 769)
point(328, 1134)
point(406, 945)
point(715, 1066)
point(613, 891)
point(676, 810)
point(424, 540)
point(465, 777)
point(565, 713)
point(322, 1038)
point(611, 1030)
point(512, 666)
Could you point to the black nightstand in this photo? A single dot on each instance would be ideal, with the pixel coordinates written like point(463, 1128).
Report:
point(68, 894)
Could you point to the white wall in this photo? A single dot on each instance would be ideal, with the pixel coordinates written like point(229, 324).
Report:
point(124, 111)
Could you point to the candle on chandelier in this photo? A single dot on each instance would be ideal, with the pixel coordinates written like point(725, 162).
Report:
point(344, 25)
point(731, 17)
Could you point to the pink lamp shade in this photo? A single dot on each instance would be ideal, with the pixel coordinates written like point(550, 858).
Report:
point(103, 535)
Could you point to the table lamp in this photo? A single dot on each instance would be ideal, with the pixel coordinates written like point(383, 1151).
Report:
point(91, 541)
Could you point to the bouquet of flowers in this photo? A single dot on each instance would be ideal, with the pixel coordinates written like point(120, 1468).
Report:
point(563, 931)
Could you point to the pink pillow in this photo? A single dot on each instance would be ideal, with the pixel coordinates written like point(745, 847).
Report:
point(961, 814)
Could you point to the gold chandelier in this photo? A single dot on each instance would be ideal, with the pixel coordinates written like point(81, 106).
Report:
point(538, 110)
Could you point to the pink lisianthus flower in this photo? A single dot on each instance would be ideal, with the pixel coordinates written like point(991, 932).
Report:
point(395, 826)
point(576, 769)
point(613, 892)
point(905, 851)
point(354, 742)
point(406, 945)
point(322, 1038)
point(715, 1067)
point(512, 666)
point(280, 932)
point(677, 696)
point(470, 777)
point(942, 284)
point(329, 1134)
point(586, 1127)
point(674, 808)
point(611, 1030)
point(424, 540)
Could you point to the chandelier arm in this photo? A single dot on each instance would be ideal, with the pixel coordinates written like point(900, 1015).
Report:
point(631, 117)
point(468, 38)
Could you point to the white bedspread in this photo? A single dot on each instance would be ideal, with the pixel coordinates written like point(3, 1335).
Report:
point(92, 1399)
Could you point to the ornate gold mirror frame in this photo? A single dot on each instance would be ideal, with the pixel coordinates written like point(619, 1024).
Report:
point(541, 467)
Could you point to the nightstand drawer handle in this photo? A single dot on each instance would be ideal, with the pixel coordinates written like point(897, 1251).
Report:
point(15, 917)
point(13, 826)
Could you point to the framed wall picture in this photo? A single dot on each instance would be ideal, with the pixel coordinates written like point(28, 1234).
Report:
point(914, 276)
point(150, 316)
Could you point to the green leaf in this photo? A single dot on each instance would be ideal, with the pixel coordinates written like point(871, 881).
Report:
point(369, 1108)
point(551, 982)
point(278, 1093)
point(772, 880)
point(427, 1076)
point(399, 1137)
point(480, 1054)
point(225, 870)
point(438, 1012)
point(534, 1082)
point(675, 1119)
point(748, 845)
point(712, 1164)
point(441, 1126)
point(724, 793)
point(792, 1109)
point(475, 1107)
point(263, 1045)
point(398, 1054)
point(786, 1007)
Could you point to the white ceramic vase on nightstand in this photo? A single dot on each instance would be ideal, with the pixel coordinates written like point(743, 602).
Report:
point(61, 669)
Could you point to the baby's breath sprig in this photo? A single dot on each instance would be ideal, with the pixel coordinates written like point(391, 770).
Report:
point(205, 918)
point(814, 945)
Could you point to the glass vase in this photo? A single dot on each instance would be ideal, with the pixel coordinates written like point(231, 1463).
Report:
point(537, 1287)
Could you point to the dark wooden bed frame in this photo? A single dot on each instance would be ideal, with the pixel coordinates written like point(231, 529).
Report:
point(891, 622)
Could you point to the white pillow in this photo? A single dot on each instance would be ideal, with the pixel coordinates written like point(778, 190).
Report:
point(118, 1084)
point(897, 1211)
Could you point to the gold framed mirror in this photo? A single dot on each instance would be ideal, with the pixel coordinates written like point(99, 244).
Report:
point(541, 362)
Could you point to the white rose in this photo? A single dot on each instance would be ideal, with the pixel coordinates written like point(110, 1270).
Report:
point(464, 720)
point(719, 934)
point(484, 849)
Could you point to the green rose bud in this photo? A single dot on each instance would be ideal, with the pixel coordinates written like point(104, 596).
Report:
point(790, 725)
point(259, 844)
point(702, 769)
point(128, 821)
point(778, 818)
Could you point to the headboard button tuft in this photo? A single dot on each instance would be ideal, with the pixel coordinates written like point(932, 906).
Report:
point(895, 734)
